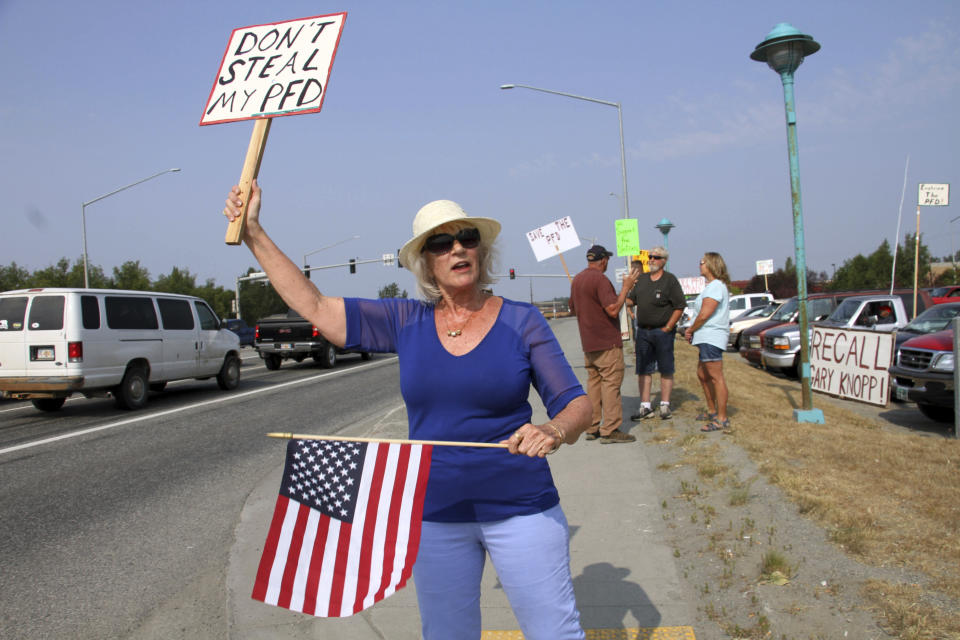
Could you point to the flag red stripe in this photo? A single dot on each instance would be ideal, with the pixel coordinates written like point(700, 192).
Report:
point(269, 550)
point(293, 557)
point(316, 562)
point(423, 472)
point(369, 527)
point(393, 522)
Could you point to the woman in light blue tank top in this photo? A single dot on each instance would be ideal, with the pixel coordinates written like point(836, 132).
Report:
point(709, 333)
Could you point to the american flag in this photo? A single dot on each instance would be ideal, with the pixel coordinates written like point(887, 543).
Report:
point(346, 527)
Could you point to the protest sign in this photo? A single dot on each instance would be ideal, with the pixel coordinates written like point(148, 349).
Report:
point(933, 195)
point(552, 239)
point(692, 286)
point(851, 364)
point(628, 237)
point(269, 70)
point(274, 69)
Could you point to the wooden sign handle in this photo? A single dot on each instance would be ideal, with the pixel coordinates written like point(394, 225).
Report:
point(251, 168)
point(564, 263)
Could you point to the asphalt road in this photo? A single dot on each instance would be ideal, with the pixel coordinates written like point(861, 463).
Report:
point(108, 516)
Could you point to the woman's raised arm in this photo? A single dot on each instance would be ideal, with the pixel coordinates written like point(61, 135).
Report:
point(326, 313)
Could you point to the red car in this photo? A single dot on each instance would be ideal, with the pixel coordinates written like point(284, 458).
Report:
point(923, 373)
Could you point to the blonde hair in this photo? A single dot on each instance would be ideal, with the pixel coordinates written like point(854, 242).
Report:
point(716, 266)
point(427, 283)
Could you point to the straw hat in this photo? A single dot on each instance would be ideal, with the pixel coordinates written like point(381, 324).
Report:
point(440, 212)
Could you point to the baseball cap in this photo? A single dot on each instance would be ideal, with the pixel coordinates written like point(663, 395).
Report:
point(597, 252)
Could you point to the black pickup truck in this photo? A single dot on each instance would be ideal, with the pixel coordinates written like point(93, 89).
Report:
point(287, 336)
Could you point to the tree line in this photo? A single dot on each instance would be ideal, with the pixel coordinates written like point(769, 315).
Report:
point(257, 297)
point(861, 272)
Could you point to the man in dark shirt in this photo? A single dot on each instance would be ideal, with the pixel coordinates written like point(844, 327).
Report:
point(596, 304)
point(658, 302)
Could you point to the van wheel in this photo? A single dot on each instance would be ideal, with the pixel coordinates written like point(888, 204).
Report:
point(327, 358)
point(131, 393)
point(158, 386)
point(229, 376)
point(48, 404)
point(272, 361)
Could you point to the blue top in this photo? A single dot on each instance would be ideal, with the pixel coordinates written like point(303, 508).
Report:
point(480, 396)
point(716, 329)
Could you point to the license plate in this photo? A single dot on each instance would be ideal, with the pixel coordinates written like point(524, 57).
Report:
point(285, 345)
point(900, 393)
point(43, 353)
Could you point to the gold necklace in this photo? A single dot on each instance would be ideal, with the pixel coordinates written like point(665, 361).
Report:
point(456, 333)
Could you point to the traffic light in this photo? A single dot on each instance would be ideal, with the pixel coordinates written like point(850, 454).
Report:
point(513, 274)
point(353, 265)
point(306, 271)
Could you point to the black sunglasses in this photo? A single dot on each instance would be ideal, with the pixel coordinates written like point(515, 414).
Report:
point(441, 243)
point(657, 258)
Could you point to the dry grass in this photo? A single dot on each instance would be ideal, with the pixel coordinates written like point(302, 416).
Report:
point(888, 497)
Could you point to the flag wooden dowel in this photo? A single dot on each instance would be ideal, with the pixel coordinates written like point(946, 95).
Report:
point(440, 443)
point(251, 168)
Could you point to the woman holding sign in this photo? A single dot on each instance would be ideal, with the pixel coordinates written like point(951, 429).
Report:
point(709, 332)
point(467, 360)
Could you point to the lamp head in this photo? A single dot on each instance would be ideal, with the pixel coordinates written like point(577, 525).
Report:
point(664, 225)
point(785, 48)
point(507, 86)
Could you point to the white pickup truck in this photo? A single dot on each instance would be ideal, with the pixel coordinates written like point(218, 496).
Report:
point(781, 345)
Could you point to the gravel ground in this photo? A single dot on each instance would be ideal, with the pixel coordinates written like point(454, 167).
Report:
point(723, 525)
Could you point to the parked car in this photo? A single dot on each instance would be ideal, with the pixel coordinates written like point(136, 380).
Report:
point(936, 318)
point(245, 332)
point(882, 313)
point(58, 341)
point(923, 373)
point(740, 304)
point(751, 339)
point(750, 318)
point(819, 306)
point(941, 295)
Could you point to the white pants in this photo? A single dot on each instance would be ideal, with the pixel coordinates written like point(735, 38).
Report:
point(531, 555)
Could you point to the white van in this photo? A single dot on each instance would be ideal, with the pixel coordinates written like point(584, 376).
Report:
point(57, 342)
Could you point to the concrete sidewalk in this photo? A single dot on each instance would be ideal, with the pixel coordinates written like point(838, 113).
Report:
point(624, 575)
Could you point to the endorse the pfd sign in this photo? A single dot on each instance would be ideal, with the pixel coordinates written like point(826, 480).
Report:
point(849, 363)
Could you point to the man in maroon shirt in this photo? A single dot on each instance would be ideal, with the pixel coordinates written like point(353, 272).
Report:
point(596, 304)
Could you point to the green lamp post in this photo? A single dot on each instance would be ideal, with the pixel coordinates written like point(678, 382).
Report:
point(664, 226)
point(784, 50)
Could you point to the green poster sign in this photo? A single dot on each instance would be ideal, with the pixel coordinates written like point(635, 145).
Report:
point(628, 237)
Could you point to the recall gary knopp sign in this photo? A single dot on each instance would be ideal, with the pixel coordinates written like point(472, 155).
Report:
point(850, 363)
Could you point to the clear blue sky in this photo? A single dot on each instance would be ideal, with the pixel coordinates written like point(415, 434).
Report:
point(103, 93)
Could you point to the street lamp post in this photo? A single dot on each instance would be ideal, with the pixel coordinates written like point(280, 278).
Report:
point(784, 50)
point(664, 226)
point(83, 216)
point(623, 157)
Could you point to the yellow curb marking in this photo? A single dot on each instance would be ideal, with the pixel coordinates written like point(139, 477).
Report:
point(658, 633)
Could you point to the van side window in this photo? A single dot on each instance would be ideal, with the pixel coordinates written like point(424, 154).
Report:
point(12, 311)
point(46, 313)
point(176, 314)
point(125, 312)
point(208, 321)
point(738, 304)
point(90, 310)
